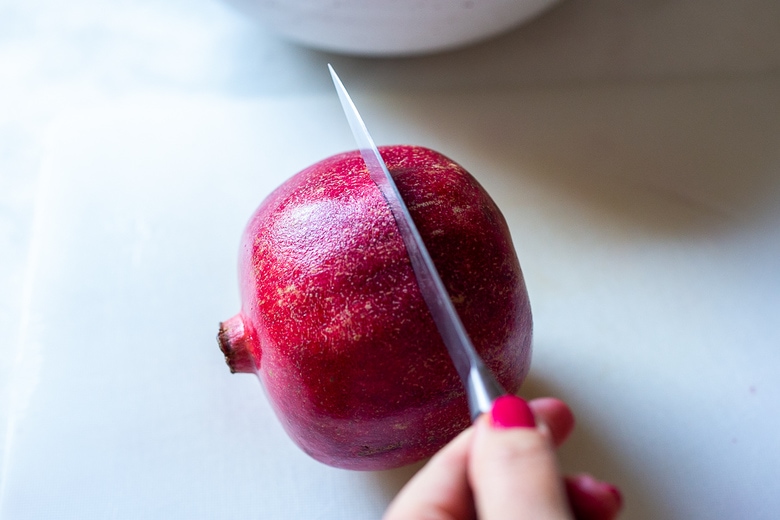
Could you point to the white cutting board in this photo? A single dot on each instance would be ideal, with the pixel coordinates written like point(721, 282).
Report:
point(646, 214)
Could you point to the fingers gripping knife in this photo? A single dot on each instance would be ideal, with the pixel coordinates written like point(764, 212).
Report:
point(481, 386)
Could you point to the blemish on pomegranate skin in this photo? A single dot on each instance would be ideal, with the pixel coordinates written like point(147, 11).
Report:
point(367, 451)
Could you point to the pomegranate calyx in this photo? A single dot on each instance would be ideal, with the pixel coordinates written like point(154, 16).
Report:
point(236, 343)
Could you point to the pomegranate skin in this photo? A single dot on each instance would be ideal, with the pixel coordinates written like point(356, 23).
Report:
point(334, 325)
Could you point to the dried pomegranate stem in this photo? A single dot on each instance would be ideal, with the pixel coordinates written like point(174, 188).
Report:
point(236, 343)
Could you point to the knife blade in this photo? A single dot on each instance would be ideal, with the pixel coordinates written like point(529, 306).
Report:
point(481, 386)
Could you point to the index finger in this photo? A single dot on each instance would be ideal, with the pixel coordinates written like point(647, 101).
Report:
point(513, 470)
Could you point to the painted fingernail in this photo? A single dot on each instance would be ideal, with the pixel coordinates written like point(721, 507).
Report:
point(615, 492)
point(591, 499)
point(510, 411)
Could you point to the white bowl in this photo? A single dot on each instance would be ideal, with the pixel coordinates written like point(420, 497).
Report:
point(390, 27)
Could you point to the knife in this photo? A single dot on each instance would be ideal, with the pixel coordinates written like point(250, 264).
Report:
point(482, 388)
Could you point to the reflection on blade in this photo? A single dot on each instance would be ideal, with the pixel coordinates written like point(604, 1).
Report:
point(481, 387)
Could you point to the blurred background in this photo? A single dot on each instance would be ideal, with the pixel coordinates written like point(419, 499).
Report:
point(633, 147)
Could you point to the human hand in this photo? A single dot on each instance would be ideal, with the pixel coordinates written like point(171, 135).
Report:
point(504, 467)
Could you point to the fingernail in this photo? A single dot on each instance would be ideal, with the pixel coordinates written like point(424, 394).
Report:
point(510, 411)
point(615, 492)
point(592, 499)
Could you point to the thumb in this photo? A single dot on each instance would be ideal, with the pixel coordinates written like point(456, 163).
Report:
point(512, 469)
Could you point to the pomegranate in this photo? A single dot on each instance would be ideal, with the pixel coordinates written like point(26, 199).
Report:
point(332, 320)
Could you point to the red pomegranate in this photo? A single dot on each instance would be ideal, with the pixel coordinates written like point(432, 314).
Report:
point(332, 320)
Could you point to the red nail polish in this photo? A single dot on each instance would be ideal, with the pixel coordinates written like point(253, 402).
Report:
point(510, 411)
point(591, 499)
point(615, 492)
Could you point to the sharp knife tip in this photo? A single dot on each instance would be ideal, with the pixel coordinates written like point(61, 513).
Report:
point(333, 74)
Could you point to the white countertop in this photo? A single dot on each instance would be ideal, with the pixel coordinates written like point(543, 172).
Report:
point(634, 149)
